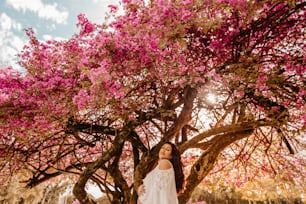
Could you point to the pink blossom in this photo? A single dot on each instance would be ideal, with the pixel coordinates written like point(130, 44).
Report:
point(262, 78)
point(126, 1)
point(86, 26)
point(183, 70)
point(214, 75)
point(153, 44)
point(81, 99)
point(261, 83)
point(117, 25)
point(262, 87)
point(240, 93)
point(3, 97)
point(302, 92)
point(199, 80)
point(186, 2)
point(238, 183)
point(298, 69)
point(261, 108)
point(186, 15)
point(131, 117)
point(303, 118)
point(113, 8)
point(201, 68)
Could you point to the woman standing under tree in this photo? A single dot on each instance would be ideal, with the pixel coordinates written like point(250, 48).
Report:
point(165, 179)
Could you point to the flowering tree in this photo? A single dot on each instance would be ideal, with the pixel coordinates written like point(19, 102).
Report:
point(96, 104)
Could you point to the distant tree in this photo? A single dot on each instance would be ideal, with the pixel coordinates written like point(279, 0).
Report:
point(224, 79)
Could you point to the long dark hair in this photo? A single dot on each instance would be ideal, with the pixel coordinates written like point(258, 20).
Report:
point(176, 163)
point(177, 166)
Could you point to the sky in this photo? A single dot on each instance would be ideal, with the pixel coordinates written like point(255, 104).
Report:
point(50, 19)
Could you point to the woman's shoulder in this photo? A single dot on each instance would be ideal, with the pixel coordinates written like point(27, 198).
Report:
point(164, 164)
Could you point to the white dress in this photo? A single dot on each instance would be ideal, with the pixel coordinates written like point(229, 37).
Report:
point(159, 187)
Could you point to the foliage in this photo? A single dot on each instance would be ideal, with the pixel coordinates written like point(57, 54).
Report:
point(96, 104)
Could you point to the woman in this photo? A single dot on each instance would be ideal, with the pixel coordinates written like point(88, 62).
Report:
point(165, 180)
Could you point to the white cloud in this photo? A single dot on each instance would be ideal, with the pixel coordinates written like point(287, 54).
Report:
point(47, 37)
point(44, 11)
point(6, 23)
point(11, 44)
point(101, 10)
point(103, 1)
point(51, 27)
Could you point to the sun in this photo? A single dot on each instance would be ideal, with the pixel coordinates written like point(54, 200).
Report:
point(211, 98)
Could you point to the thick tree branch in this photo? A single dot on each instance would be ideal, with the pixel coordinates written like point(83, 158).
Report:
point(79, 187)
point(185, 115)
point(208, 158)
point(227, 129)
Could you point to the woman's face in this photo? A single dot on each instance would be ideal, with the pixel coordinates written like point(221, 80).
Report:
point(165, 152)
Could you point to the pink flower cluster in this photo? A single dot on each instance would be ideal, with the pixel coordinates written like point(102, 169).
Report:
point(86, 26)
